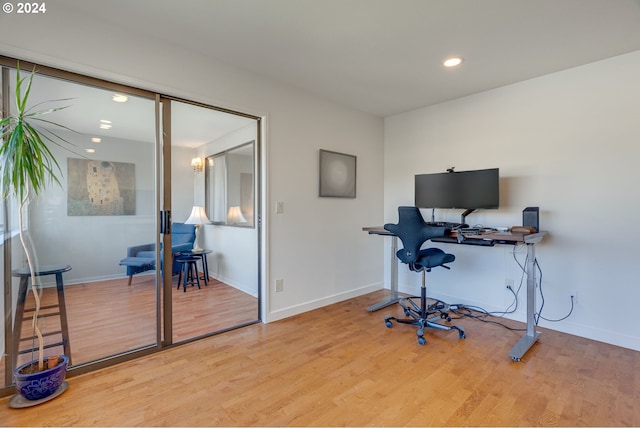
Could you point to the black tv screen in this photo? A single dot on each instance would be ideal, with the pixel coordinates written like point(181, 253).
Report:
point(465, 189)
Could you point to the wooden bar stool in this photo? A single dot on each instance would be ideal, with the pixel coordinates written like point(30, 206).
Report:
point(59, 310)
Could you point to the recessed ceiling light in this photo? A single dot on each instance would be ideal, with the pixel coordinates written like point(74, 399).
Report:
point(90, 150)
point(104, 121)
point(119, 98)
point(105, 126)
point(453, 61)
point(96, 140)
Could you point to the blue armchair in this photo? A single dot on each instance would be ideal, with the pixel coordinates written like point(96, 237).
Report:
point(141, 258)
point(182, 237)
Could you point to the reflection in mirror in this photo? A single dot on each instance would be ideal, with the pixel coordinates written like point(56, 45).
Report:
point(229, 186)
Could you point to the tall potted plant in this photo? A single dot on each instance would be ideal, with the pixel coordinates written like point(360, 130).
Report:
point(27, 167)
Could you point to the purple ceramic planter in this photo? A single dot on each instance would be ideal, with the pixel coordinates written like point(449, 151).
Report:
point(35, 386)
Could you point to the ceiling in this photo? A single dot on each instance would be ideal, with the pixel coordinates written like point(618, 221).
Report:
point(384, 56)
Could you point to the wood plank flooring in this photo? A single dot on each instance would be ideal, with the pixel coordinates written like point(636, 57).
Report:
point(340, 366)
point(128, 321)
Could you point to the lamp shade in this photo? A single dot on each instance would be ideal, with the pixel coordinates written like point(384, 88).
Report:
point(197, 164)
point(198, 216)
point(234, 216)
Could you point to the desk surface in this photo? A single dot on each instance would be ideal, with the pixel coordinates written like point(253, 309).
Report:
point(505, 237)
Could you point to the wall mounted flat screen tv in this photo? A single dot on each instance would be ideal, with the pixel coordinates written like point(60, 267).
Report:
point(468, 190)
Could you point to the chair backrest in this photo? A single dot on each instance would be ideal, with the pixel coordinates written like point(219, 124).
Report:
point(413, 231)
point(182, 233)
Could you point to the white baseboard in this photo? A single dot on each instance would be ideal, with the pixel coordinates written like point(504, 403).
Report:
point(87, 280)
point(252, 291)
point(319, 303)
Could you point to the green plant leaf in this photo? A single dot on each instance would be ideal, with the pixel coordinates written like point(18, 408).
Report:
point(26, 159)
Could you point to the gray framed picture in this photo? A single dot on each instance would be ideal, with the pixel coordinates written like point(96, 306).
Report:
point(337, 175)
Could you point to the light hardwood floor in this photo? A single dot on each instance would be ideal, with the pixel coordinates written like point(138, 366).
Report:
point(340, 366)
point(128, 321)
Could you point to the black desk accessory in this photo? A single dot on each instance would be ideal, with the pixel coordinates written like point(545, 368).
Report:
point(531, 218)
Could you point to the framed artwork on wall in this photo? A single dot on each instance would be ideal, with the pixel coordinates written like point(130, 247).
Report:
point(99, 188)
point(337, 175)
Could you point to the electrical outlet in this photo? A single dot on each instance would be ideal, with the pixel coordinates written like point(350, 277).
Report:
point(508, 284)
point(279, 285)
point(510, 291)
point(279, 207)
point(574, 294)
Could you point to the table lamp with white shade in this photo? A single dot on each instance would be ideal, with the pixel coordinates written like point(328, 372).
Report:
point(198, 216)
point(234, 216)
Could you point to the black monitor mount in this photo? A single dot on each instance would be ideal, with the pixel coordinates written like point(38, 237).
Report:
point(463, 216)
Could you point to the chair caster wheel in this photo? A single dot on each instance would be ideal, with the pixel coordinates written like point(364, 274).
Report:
point(388, 324)
point(422, 341)
point(516, 359)
point(407, 312)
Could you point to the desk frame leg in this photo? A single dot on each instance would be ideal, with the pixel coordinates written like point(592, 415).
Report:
point(394, 279)
point(527, 341)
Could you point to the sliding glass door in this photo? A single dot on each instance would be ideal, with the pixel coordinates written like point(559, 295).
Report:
point(122, 270)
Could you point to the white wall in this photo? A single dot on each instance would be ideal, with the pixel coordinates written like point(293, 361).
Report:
point(183, 182)
point(566, 142)
point(317, 245)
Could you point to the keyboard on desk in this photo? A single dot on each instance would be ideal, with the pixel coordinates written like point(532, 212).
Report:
point(467, 241)
point(447, 224)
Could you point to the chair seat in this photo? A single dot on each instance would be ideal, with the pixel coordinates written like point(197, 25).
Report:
point(433, 257)
point(426, 259)
point(138, 261)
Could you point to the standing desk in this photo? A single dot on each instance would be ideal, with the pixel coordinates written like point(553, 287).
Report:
point(489, 239)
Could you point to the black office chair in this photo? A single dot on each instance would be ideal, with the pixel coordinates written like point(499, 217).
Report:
point(413, 232)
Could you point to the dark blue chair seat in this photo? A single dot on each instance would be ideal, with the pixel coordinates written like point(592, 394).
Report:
point(138, 261)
